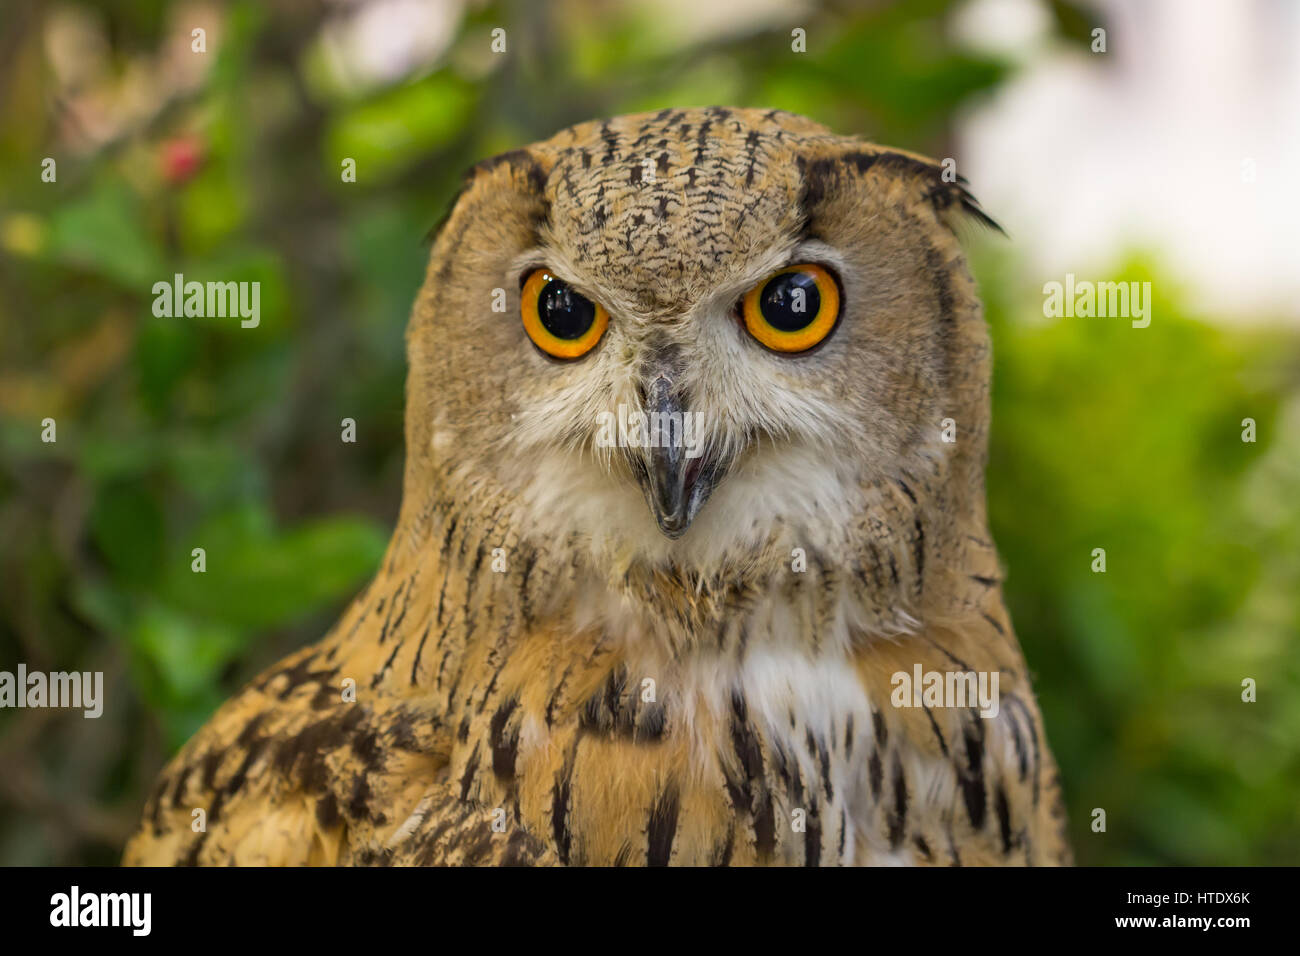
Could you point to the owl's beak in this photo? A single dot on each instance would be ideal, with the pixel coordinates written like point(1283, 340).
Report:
point(675, 477)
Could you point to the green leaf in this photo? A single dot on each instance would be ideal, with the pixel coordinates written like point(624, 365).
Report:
point(128, 527)
point(103, 233)
point(400, 126)
point(259, 579)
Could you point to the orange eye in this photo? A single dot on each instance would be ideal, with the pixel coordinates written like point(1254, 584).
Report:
point(560, 321)
point(794, 309)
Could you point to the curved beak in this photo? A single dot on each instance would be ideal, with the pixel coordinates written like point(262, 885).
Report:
point(674, 473)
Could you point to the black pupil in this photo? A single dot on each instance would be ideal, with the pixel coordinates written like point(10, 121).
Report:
point(790, 301)
point(564, 313)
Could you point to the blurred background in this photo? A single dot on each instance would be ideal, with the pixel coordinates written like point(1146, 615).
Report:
point(1170, 158)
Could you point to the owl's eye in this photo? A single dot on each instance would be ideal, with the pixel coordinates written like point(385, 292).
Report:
point(794, 309)
point(559, 320)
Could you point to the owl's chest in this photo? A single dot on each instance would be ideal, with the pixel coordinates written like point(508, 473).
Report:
point(791, 743)
point(614, 746)
point(765, 759)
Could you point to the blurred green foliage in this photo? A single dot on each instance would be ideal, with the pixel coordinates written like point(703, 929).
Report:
point(181, 434)
point(1131, 440)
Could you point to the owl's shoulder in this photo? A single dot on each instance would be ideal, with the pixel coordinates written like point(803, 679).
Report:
point(302, 763)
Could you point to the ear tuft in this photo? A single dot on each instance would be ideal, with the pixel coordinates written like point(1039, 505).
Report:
point(948, 197)
point(521, 162)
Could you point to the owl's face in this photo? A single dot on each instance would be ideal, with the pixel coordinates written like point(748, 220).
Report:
point(679, 336)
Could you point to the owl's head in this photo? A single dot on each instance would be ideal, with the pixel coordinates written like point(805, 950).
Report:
point(700, 337)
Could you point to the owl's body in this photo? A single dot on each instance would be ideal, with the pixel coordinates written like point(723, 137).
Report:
point(546, 670)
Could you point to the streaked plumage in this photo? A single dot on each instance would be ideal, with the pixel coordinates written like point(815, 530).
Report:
point(615, 695)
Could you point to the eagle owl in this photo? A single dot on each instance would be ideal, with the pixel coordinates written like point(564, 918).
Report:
point(696, 425)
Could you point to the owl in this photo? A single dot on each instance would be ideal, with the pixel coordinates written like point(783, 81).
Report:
point(692, 564)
